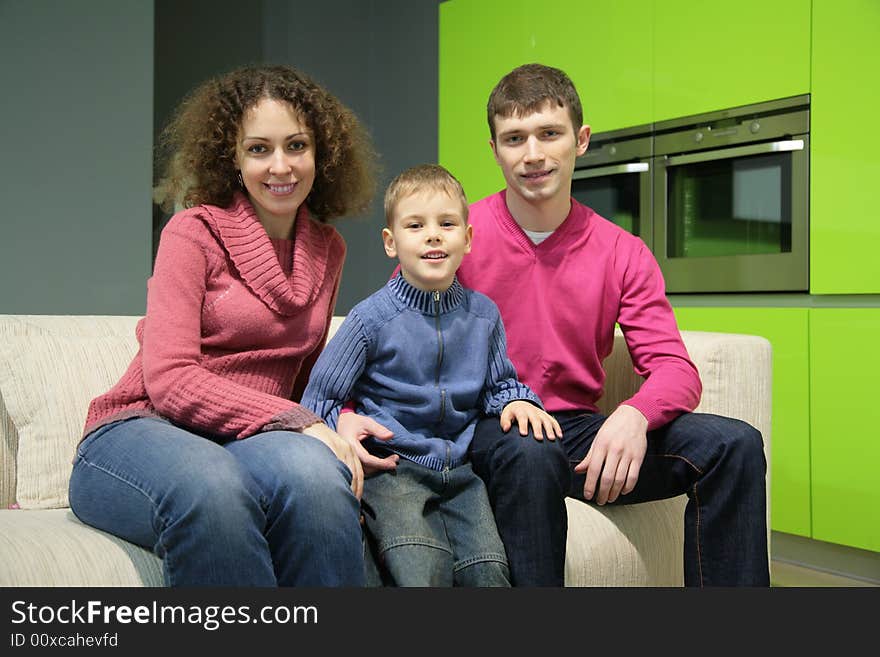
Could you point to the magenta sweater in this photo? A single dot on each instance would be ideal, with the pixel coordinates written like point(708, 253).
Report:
point(234, 323)
point(561, 299)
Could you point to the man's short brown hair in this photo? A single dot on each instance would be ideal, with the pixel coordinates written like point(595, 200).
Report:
point(424, 177)
point(528, 88)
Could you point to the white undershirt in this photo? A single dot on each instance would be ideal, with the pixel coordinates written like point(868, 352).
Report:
point(538, 236)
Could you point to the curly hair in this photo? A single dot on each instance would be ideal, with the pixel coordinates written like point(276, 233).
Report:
point(196, 151)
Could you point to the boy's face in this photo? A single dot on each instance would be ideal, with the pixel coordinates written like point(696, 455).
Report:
point(429, 236)
point(537, 152)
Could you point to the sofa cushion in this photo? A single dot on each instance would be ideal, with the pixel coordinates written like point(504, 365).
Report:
point(47, 382)
point(53, 548)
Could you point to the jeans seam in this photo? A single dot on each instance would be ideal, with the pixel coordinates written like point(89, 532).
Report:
point(678, 456)
point(699, 550)
point(479, 558)
point(697, 503)
point(143, 492)
point(413, 540)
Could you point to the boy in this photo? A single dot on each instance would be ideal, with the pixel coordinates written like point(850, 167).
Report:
point(427, 358)
point(577, 276)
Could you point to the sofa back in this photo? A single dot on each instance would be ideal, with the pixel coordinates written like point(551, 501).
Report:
point(51, 366)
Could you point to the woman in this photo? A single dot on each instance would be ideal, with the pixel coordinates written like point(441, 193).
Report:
point(199, 453)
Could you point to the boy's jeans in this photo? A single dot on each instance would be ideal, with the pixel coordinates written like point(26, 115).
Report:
point(718, 461)
point(431, 528)
point(272, 509)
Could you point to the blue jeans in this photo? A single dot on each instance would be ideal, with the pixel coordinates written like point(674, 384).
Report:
point(273, 509)
point(431, 528)
point(718, 462)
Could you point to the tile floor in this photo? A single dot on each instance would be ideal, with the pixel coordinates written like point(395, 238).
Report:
point(789, 574)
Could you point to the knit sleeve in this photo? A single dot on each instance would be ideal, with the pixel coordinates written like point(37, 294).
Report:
point(672, 383)
point(502, 385)
point(337, 370)
point(178, 386)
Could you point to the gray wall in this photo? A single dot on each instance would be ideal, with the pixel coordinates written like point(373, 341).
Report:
point(76, 124)
point(380, 58)
point(77, 121)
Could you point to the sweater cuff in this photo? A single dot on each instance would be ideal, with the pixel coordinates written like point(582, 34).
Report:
point(653, 415)
point(294, 419)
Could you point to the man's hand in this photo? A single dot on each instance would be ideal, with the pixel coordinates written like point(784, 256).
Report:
point(356, 428)
point(344, 450)
point(616, 454)
point(525, 414)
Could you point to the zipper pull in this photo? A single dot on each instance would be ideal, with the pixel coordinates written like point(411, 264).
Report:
point(436, 296)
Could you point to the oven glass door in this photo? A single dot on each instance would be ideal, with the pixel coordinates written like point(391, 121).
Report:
point(734, 219)
point(620, 193)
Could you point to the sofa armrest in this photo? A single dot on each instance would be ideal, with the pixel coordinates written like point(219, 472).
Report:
point(735, 370)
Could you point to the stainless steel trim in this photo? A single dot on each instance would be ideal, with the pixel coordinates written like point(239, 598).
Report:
point(738, 151)
point(632, 167)
point(742, 273)
point(756, 109)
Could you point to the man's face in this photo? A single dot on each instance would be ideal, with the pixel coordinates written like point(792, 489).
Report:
point(537, 152)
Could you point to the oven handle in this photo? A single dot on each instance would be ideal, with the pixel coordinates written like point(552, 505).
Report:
point(632, 167)
point(739, 151)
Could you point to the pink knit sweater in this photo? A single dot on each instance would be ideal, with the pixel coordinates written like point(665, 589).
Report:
point(561, 299)
point(232, 327)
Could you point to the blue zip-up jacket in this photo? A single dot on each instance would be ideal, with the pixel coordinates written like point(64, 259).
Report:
point(424, 364)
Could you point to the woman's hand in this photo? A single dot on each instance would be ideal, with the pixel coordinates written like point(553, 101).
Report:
point(525, 414)
point(344, 449)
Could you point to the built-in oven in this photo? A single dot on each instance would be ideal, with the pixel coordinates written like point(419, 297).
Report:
point(614, 178)
point(731, 199)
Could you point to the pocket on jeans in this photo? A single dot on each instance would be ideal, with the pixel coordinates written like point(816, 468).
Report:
point(86, 442)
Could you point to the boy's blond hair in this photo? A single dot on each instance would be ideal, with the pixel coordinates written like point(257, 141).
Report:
point(424, 177)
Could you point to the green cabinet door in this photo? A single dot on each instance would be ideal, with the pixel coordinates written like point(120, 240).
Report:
point(845, 425)
point(845, 148)
point(716, 55)
point(605, 47)
point(786, 329)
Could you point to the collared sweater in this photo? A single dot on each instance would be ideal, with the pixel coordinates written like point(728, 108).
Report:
point(425, 365)
point(560, 300)
point(234, 323)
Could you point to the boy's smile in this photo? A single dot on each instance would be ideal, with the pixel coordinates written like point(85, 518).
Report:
point(429, 236)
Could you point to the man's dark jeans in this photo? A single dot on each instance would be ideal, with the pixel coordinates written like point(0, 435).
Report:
point(717, 461)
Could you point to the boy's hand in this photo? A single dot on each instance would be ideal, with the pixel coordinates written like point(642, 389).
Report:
point(358, 427)
point(525, 414)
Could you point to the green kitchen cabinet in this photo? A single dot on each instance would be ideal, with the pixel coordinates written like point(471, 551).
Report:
point(845, 425)
point(605, 47)
point(787, 331)
point(716, 55)
point(845, 148)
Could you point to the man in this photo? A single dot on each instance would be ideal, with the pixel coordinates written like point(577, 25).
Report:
point(562, 276)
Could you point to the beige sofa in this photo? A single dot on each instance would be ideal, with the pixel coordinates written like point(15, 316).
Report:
point(51, 366)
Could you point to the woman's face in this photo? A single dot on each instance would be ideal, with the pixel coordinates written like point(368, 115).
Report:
point(276, 155)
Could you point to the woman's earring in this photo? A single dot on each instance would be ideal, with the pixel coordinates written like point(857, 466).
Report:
point(240, 181)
